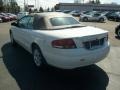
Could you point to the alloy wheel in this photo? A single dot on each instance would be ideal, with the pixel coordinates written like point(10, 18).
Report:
point(37, 57)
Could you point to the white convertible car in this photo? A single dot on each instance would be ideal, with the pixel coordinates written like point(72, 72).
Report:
point(60, 40)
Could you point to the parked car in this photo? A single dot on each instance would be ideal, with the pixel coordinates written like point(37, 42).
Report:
point(13, 16)
point(0, 20)
point(58, 11)
point(92, 16)
point(66, 11)
point(5, 15)
point(104, 13)
point(109, 13)
point(117, 31)
point(75, 13)
point(60, 40)
point(4, 18)
point(22, 14)
point(84, 12)
point(114, 16)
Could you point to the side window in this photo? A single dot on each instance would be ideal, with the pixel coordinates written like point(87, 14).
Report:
point(23, 22)
point(42, 23)
point(88, 14)
point(113, 14)
point(39, 23)
point(30, 23)
point(96, 15)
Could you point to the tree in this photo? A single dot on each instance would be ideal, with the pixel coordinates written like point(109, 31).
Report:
point(41, 9)
point(30, 11)
point(97, 1)
point(56, 7)
point(52, 9)
point(7, 8)
point(14, 6)
point(26, 8)
point(11, 6)
point(94, 1)
point(48, 9)
point(35, 10)
point(1, 6)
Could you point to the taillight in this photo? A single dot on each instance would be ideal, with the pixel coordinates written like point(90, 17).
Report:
point(64, 44)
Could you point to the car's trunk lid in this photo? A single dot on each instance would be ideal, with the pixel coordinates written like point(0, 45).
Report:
point(75, 32)
point(81, 36)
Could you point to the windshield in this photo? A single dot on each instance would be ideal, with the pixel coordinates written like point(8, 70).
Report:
point(61, 21)
point(66, 11)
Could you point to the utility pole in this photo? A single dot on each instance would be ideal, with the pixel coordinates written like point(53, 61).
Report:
point(24, 5)
point(83, 1)
point(35, 3)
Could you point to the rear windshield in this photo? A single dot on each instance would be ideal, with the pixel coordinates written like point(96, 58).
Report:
point(61, 21)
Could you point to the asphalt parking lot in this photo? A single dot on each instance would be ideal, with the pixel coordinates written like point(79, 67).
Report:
point(17, 71)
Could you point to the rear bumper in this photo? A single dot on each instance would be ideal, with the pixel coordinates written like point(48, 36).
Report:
point(77, 59)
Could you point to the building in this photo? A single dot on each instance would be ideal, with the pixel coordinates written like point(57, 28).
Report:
point(77, 1)
point(8, 1)
point(88, 7)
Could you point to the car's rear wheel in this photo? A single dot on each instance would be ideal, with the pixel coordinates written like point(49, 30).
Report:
point(37, 56)
point(13, 42)
point(85, 19)
point(117, 19)
point(118, 32)
point(101, 19)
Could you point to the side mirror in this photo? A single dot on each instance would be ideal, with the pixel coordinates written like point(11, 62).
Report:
point(14, 24)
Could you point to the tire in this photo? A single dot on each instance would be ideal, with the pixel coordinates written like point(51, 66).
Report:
point(101, 20)
point(13, 42)
point(118, 32)
point(117, 19)
point(85, 19)
point(37, 57)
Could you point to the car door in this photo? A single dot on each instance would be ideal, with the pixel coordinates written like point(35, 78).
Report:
point(34, 23)
point(89, 16)
point(28, 32)
point(95, 16)
point(112, 16)
point(22, 31)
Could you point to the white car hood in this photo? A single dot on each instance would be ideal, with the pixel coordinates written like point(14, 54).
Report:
point(74, 32)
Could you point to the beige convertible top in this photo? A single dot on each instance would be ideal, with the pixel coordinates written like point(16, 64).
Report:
point(48, 15)
point(52, 14)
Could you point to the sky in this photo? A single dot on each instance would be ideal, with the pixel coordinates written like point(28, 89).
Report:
point(50, 3)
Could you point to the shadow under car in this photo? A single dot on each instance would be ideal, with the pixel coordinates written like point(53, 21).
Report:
point(20, 65)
